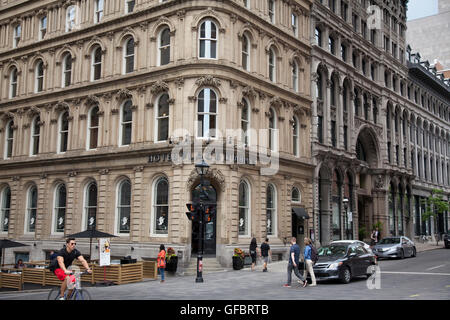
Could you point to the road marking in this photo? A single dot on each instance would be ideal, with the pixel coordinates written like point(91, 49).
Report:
point(414, 295)
point(417, 273)
point(429, 269)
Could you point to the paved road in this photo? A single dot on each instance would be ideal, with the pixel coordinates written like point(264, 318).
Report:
point(422, 278)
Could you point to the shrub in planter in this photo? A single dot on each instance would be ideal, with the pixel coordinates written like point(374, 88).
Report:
point(171, 260)
point(238, 259)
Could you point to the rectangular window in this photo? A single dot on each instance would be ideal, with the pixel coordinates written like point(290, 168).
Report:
point(42, 27)
point(271, 6)
point(333, 133)
point(98, 14)
point(294, 24)
point(129, 6)
point(17, 34)
point(320, 129)
point(345, 137)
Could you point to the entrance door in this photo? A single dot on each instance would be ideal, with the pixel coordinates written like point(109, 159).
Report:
point(209, 227)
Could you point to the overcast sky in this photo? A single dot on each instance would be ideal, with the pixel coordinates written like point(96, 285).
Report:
point(421, 8)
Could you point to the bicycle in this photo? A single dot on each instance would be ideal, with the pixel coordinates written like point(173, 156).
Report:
point(78, 293)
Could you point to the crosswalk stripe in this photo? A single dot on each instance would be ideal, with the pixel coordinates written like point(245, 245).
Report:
point(417, 273)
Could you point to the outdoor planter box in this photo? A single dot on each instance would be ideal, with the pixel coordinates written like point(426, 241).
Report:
point(11, 280)
point(238, 263)
point(119, 274)
point(150, 269)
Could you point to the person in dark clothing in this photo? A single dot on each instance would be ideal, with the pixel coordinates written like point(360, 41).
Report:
point(253, 247)
point(265, 253)
point(294, 255)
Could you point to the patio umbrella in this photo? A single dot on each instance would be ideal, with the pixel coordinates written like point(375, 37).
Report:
point(6, 243)
point(90, 234)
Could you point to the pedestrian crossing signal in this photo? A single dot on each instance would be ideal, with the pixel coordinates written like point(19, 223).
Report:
point(192, 213)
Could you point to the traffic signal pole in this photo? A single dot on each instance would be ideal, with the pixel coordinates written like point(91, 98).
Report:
point(200, 245)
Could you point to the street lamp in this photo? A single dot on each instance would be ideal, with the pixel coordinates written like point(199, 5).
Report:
point(345, 202)
point(202, 169)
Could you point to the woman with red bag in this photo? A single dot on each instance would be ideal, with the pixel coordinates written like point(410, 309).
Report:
point(161, 261)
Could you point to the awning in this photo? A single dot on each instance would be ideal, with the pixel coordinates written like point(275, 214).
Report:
point(300, 212)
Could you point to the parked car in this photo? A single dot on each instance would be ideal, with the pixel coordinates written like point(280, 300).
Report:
point(447, 239)
point(395, 247)
point(343, 261)
point(365, 245)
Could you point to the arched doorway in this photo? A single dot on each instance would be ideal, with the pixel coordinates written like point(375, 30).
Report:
point(207, 191)
point(367, 153)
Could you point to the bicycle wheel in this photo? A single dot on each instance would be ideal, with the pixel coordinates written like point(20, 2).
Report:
point(53, 294)
point(81, 294)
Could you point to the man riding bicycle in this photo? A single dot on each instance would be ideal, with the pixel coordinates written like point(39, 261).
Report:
point(64, 259)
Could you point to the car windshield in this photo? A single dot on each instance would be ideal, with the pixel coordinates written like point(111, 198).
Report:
point(389, 241)
point(332, 250)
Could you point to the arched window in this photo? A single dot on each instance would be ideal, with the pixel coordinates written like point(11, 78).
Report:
point(96, 63)
point(318, 36)
point(128, 56)
point(30, 225)
point(92, 134)
point(336, 187)
point(39, 77)
point(162, 118)
point(90, 206)
point(208, 40)
point(271, 210)
point(332, 92)
point(207, 114)
point(67, 70)
point(244, 209)
point(13, 83)
point(295, 76)
point(245, 122)
point(245, 53)
point(272, 65)
point(319, 91)
point(375, 111)
point(59, 209)
point(63, 134)
point(164, 47)
point(123, 206)
point(161, 207)
point(126, 123)
point(296, 195)
point(272, 130)
point(35, 135)
point(9, 139)
point(5, 201)
point(295, 136)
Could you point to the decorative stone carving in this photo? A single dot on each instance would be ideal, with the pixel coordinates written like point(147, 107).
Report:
point(123, 94)
point(208, 81)
point(159, 87)
point(249, 92)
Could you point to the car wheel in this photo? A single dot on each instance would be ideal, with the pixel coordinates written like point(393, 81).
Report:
point(402, 254)
point(346, 275)
point(414, 253)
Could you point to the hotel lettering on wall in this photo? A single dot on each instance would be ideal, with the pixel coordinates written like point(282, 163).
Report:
point(217, 158)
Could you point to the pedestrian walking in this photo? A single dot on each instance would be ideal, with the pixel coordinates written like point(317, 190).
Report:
point(265, 253)
point(294, 255)
point(308, 262)
point(374, 237)
point(161, 261)
point(253, 248)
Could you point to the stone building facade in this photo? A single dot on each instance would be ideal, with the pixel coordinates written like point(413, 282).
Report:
point(93, 95)
point(365, 163)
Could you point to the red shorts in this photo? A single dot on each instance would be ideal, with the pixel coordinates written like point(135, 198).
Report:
point(61, 275)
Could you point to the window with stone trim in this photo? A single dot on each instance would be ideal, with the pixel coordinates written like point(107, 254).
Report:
point(9, 139)
point(207, 113)
point(126, 123)
point(244, 209)
point(123, 207)
point(5, 201)
point(164, 47)
point(162, 118)
point(35, 135)
point(90, 206)
point(161, 207)
point(208, 40)
point(59, 209)
point(31, 211)
point(271, 210)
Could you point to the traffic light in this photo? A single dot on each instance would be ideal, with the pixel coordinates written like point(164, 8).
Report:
point(210, 211)
point(192, 213)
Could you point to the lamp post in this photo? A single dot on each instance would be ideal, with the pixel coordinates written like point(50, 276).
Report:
point(345, 202)
point(202, 169)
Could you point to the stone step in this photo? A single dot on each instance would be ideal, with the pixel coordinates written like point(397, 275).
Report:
point(209, 265)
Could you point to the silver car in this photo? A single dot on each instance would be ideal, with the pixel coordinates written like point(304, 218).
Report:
point(395, 247)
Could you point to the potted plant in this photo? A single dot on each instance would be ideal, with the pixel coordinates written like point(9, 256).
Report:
point(238, 259)
point(171, 260)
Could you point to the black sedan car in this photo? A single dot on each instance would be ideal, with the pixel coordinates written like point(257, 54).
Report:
point(447, 240)
point(343, 261)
